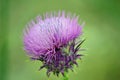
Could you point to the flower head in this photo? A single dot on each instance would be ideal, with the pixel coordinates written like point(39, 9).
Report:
point(52, 40)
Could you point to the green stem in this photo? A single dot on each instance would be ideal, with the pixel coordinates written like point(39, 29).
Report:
point(65, 77)
point(4, 25)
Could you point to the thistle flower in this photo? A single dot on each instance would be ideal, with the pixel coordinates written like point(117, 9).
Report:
point(52, 40)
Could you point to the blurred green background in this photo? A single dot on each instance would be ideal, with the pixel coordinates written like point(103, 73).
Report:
point(102, 33)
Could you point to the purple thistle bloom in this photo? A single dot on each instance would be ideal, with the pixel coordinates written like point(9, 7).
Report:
point(52, 40)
